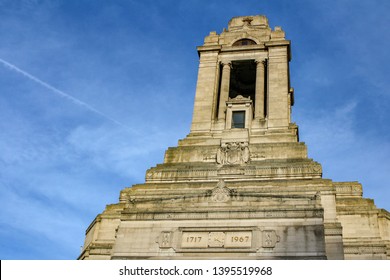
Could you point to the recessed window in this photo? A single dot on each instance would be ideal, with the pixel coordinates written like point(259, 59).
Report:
point(238, 119)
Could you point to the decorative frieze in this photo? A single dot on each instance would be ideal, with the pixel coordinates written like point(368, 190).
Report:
point(333, 229)
point(363, 250)
point(222, 215)
point(348, 189)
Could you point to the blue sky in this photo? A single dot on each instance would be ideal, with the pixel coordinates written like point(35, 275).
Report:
point(93, 92)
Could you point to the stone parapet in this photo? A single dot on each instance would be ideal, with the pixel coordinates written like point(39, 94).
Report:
point(257, 152)
point(261, 170)
point(348, 189)
point(263, 191)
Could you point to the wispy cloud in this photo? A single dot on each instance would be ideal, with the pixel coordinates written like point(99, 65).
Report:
point(61, 93)
point(118, 150)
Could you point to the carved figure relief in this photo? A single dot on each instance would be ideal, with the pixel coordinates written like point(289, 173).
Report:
point(221, 193)
point(233, 153)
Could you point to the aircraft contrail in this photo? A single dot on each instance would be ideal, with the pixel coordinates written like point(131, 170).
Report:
point(59, 92)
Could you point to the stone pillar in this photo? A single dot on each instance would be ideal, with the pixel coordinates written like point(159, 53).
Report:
point(205, 91)
point(332, 228)
point(278, 86)
point(224, 91)
point(260, 94)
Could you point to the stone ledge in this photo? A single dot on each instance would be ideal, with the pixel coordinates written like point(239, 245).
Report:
point(129, 215)
point(359, 248)
point(348, 189)
point(274, 170)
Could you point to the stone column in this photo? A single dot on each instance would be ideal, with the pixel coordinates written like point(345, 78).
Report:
point(205, 90)
point(224, 91)
point(260, 94)
point(278, 85)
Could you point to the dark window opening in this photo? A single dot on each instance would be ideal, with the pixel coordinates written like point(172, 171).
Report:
point(243, 79)
point(266, 88)
point(219, 90)
point(238, 119)
point(244, 42)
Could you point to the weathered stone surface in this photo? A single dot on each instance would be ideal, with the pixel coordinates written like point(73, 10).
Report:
point(240, 185)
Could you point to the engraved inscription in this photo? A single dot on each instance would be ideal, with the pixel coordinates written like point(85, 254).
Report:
point(194, 239)
point(217, 239)
point(238, 239)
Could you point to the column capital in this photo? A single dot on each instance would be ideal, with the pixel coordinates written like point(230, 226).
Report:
point(226, 63)
point(260, 60)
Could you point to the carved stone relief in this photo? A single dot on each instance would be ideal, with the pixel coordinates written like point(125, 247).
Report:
point(233, 239)
point(270, 238)
point(233, 153)
point(165, 240)
point(221, 193)
point(216, 239)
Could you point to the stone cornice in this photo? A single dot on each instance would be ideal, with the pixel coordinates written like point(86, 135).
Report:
point(214, 48)
point(176, 174)
point(280, 43)
point(130, 215)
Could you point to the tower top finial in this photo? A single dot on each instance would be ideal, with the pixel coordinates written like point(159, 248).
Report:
point(258, 21)
point(247, 20)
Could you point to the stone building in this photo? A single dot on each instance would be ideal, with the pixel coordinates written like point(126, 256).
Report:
point(240, 185)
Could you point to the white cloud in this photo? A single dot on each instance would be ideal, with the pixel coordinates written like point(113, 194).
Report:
point(329, 129)
point(346, 154)
point(118, 150)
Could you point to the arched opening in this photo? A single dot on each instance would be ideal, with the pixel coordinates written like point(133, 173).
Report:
point(244, 42)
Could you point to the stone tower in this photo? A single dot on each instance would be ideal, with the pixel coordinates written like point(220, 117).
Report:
point(240, 185)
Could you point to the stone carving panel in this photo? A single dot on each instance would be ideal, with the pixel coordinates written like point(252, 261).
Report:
point(221, 193)
point(165, 240)
point(233, 153)
point(241, 239)
point(216, 239)
point(270, 238)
